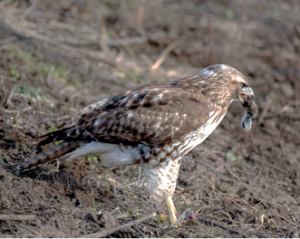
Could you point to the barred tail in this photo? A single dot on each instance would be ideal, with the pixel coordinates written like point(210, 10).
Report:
point(58, 135)
point(49, 155)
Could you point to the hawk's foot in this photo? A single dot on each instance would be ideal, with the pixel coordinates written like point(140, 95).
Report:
point(172, 210)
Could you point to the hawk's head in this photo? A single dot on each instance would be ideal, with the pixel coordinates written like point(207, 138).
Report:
point(224, 84)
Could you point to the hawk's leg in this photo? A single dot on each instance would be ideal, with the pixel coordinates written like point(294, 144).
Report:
point(161, 181)
point(172, 210)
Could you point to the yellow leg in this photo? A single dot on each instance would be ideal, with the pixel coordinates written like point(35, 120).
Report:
point(171, 209)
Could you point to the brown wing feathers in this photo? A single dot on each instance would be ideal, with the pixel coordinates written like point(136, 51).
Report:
point(151, 115)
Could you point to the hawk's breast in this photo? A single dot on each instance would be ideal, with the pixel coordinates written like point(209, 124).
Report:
point(196, 137)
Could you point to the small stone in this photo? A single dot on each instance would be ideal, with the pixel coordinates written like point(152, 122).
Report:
point(287, 89)
point(108, 220)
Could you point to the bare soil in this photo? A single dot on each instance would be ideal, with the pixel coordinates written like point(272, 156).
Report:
point(57, 58)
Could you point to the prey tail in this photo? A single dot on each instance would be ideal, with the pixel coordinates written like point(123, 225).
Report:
point(48, 156)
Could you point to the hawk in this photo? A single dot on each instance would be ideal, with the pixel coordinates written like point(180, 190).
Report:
point(153, 126)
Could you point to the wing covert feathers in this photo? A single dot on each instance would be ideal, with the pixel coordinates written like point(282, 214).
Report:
point(153, 115)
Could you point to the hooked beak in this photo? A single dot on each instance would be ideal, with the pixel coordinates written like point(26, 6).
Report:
point(246, 95)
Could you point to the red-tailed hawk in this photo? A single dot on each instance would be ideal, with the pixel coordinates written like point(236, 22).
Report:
point(153, 126)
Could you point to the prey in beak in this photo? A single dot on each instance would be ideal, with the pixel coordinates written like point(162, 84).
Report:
point(246, 97)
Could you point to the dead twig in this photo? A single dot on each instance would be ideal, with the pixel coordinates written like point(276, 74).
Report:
point(27, 11)
point(54, 24)
point(101, 36)
point(139, 231)
point(157, 234)
point(137, 28)
point(49, 76)
point(265, 111)
point(105, 233)
point(287, 106)
point(164, 54)
point(213, 224)
point(125, 45)
point(211, 168)
point(13, 217)
point(269, 165)
point(292, 116)
point(141, 11)
point(16, 111)
point(8, 101)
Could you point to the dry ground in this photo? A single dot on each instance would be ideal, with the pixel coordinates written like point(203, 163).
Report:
point(57, 58)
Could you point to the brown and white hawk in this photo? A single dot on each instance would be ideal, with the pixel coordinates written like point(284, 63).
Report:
point(153, 126)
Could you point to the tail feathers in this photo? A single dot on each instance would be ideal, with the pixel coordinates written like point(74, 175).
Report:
point(58, 135)
point(48, 156)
